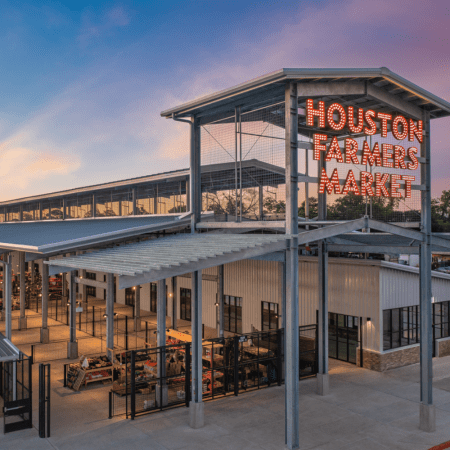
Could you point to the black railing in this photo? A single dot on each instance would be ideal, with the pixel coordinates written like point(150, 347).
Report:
point(231, 366)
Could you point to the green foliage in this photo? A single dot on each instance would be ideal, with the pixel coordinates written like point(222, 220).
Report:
point(440, 213)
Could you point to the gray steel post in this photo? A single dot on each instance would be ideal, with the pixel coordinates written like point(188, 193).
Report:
point(220, 300)
point(322, 376)
point(7, 293)
point(196, 414)
point(83, 288)
point(196, 179)
point(72, 307)
point(427, 410)
point(94, 206)
point(137, 302)
point(23, 289)
point(44, 329)
point(174, 303)
point(261, 201)
point(161, 313)
point(133, 192)
point(292, 309)
point(110, 313)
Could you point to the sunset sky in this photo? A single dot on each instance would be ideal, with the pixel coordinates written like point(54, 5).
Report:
point(83, 84)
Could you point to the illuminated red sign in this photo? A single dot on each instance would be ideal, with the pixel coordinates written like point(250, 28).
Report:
point(386, 155)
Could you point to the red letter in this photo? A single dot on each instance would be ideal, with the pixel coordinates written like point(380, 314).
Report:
point(311, 112)
point(400, 120)
point(342, 119)
point(408, 179)
point(368, 116)
point(350, 184)
point(351, 147)
point(380, 188)
point(366, 184)
point(374, 157)
point(416, 130)
point(384, 118)
point(326, 183)
point(318, 147)
point(350, 120)
point(395, 185)
point(386, 156)
point(412, 156)
point(399, 157)
point(334, 151)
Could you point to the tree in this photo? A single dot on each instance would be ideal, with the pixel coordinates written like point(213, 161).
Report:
point(224, 202)
point(440, 213)
point(313, 208)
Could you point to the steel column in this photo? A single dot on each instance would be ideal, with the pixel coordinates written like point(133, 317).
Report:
point(261, 201)
point(196, 405)
point(72, 346)
point(22, 319)
point(427, 410)
point(161, 314)
point(174, 303)
point(7, 294)
point(220, 300)
point(44, 329)
point(110, 313)
point(292, 309)
point(137, 308)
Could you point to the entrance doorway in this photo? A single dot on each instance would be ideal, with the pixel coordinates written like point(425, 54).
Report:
point(342, 337)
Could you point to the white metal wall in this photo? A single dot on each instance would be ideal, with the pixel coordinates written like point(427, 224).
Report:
point(353, 289)
point(400, 287)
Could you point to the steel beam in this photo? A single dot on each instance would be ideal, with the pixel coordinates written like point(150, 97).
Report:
point(394, 229)
point(88, 282)
point(427, 409)
point(292, 309)
point(110, 313)
point(382, 249)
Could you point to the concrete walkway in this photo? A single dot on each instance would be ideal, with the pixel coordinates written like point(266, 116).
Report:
point(365, 411)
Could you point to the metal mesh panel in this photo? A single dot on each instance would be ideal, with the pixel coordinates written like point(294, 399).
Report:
point(252, 143)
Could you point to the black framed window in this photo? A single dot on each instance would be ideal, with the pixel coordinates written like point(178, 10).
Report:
point(269, 316)
point(401, 327)
point(91, 290)
point(185, 304)
point(154, 297)
point(343, 337)
point(130, 296)
point(233, 314)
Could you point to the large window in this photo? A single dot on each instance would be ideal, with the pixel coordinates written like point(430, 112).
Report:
point(342, 337)
point(185, 304)
point(441, 319)
point(269, 316)
point(233, 314)
point(91, 291)
point(400, 327)
point(130, 296)
point(154, 297)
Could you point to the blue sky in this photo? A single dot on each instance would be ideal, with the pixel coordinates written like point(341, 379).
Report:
point(83, 83)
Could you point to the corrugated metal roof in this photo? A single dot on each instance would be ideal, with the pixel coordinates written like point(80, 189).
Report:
point(8, 351)
point(271, 86)
point(169, 252)
point(51, 236)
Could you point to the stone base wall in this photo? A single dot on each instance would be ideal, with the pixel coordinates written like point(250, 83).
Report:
point(443, 347)
point(385, 361)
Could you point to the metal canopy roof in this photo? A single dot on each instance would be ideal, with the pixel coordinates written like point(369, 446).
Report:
point(214, 176)
point(156, 259)
point(66, 235)
point(375, 84)
point(8, 351)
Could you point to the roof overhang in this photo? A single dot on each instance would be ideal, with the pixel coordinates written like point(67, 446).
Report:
point(378, 85)
point(47, 238)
